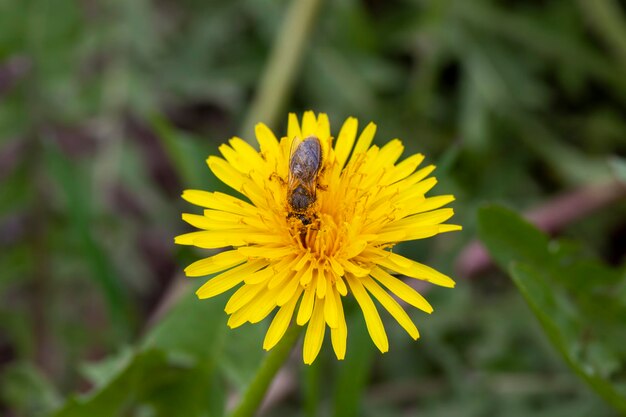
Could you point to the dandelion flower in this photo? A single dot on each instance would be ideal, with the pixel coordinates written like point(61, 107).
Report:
point(358, 205)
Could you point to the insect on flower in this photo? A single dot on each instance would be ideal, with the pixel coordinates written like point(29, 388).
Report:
point(315, 222)
point(305, 163)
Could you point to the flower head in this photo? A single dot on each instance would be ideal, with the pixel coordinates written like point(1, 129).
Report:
point(315, 223)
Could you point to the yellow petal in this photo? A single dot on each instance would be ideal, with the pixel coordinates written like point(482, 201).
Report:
point(403, 169)
point(267, 252)
point(214, 263)
point(390, 152)
point(341, 286)
point(422, 233)
point(314, 333)
point(379, 208)
point(354, 248)
point(345, 140)
point(255, 311)
point(293, 127)
point(280, 323)
point(417, 270)
point(402, 234)
point(432, 203)
point(402, 290)
point(373, 176)
point(323, 133)
point(226, 173)
point(323, 126)
point(287, 291)
point(365, 140)
point(224, 216)
point(391, 305)
point(284, 148)
point(187, 238)
point(222, 238)
point(302, 262)
point(339, 334)
point(415, 233)
point(238, 206)
point(247, 154)
point(267, 140)
point(321, 283)
point(418, 176)
point(416, 191)
point(210, 239)
point(309, 124)
point(394, 236)
point(374, 324)
point(219, 201)
point(237, 319)
point(255, 237)
point(242, 296)
point(306, 306)
point(330, 309)
point(227, 280)
point(262, 306)
point(260, 276)
point(209, 223)
point(443, 228)
point(199, 198)
point(220, 220)
point(283, 272)
point(234, 159)
point(354, 269)
point(305, 275)
point(423, 219)
point(336, 266)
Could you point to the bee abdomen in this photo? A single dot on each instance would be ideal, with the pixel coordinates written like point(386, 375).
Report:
point(300, 199)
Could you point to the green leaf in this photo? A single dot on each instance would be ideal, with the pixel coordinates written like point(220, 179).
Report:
point(586, 346)
point(152, 381)
point(198, 328)
point(579, 302)
point(510, 238)
point(179, 368)
point(194, 327)
point(101, 373)
point(241, 352)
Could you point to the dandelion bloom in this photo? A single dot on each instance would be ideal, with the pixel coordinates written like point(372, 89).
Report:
point(359, 205)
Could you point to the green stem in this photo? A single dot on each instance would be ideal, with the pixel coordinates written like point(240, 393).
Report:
point(265, 374)
point(283, 65)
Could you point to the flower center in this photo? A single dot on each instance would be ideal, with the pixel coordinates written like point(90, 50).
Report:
point(334, 219)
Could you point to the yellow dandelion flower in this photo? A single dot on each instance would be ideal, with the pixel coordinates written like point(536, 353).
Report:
point(314, 223)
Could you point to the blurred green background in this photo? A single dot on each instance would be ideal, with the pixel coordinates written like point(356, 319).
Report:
point(109, 108)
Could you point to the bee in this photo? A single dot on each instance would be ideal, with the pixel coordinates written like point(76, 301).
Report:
point(304, 166)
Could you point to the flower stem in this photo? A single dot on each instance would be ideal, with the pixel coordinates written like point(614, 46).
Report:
point(265, 374)
point(283, 65)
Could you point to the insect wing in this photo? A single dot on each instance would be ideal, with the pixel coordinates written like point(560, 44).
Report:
point(295, 143)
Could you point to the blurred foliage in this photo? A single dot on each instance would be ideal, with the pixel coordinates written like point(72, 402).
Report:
point(108, 108)
point(181, 367)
